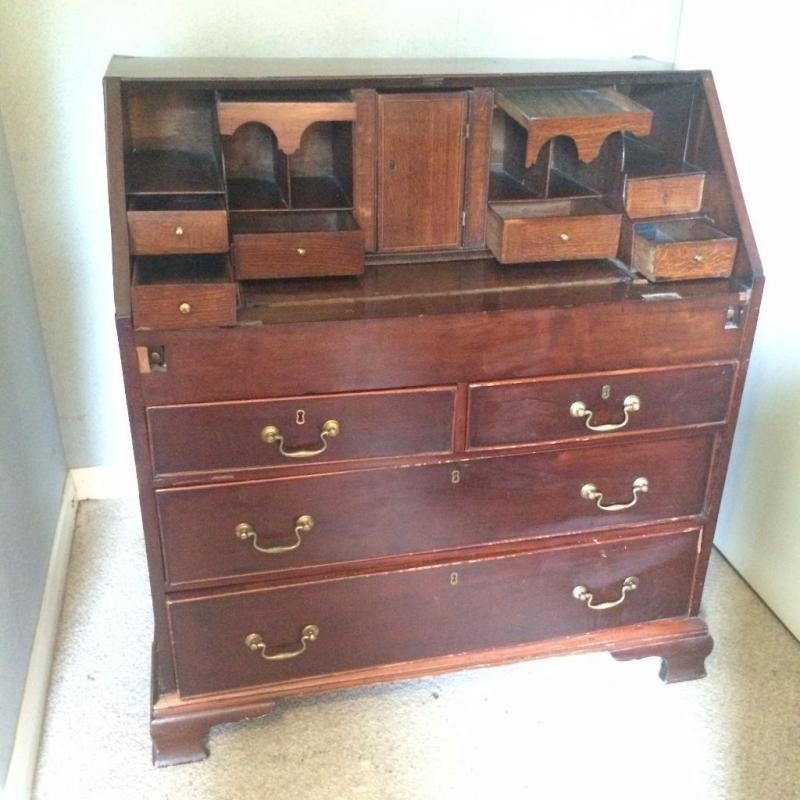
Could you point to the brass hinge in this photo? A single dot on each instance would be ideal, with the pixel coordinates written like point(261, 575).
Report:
point(463, 219)
point(466, 131)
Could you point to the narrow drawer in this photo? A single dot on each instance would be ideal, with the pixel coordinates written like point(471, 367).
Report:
point(681, 249)
point(262, 527)
point(521, 412)
point(175, 226)
point(370, 620)
point(552, 230)
point(296, 245)
point(174, 292)
point(208, 437)
point(664, 195)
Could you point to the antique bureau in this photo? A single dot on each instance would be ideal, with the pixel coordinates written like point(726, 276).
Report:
point(430, 365)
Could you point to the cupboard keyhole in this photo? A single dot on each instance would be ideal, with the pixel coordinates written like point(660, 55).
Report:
point(300, 416)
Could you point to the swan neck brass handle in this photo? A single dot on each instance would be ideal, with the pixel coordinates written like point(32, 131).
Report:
point(590, 492)
point(255, 643)
point(329, 430)
point(585, 596)
point(630, 405)
point(303, 524)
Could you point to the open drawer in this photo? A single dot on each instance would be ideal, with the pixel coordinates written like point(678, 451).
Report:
point(177, 224)
point(296, 244)
point(656, 185)
point(552, 230)
point(183, 292)
point(681, 249)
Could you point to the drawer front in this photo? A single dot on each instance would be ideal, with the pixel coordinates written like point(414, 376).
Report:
point(213, 532)
point(208, 437)
point(176, 232)
point(662, 196)
point(298, 255)
point(558, 239)
point(548, 409)
point(188, 305)
point(370, 620)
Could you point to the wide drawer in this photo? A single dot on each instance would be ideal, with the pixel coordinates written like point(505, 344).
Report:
point(209, 437)
point(259, 527)
point(220, 642)
point(548, 409)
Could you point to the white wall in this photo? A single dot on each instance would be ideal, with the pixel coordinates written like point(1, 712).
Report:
point(54, 53)
point(754, 63)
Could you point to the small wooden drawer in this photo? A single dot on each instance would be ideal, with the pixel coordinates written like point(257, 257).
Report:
point(228, 641)
point(243, 530)
point(251, 434)
point(656, 185)
point(552, 230)
point(519, 412)
point(681, 249)
point(183, 292)
point(296, 244)
point(159, 225)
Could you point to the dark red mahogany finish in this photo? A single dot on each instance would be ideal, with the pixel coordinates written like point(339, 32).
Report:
point(527, 458)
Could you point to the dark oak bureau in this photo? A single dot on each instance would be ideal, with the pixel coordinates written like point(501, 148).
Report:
point(430, 365)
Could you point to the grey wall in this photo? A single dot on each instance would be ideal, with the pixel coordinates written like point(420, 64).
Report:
point(32, 466)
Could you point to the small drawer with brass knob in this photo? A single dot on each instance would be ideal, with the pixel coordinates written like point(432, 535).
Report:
point(177, 224)
point(681, 249)
point(183, 292)
point(296, 244)
point(552, 230)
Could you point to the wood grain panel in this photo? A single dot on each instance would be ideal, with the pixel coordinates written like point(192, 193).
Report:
point(476, 184)
point(417, 613)
point(365, 162)
point(420, 170)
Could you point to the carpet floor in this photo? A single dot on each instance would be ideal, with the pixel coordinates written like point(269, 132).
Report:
point(583, 727)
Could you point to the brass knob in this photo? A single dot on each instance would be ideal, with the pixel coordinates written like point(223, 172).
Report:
point(301, 251)
point(179, 231)
point(185, 308)
point(698, 259)
point(564, 237)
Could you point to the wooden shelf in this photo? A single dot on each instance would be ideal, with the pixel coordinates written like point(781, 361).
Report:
point(588, 116)
point(171, 172)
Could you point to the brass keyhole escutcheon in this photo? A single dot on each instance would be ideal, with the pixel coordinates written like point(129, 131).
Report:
point(300, 416)
point(392, 163)
point(455, 476)
point(454, 579)
point(185, 308)
point(605, 392)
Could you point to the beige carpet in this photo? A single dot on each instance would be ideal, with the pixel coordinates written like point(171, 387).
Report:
point(582, 727)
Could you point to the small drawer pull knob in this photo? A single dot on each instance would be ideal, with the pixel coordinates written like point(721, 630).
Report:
point(564, 237)
point(301, 251)
point(185, 308)
point(272, 435)
point(698, 259)
point(303, 524)
point(585, 596)
point(179, 231)
point(255, 643)
point(630, 404)
point(590, 492)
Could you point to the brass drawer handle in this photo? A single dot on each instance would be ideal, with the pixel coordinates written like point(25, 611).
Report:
point(585, 596)
point(329, 430)
point(630, 404)
point(589, 492)
point(255, 643)
point(303, 524)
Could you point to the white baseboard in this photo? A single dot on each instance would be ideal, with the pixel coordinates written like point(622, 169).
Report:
point(22, 768)
point(105, 482)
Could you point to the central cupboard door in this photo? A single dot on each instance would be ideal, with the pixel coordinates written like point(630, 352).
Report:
point(421, 170)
